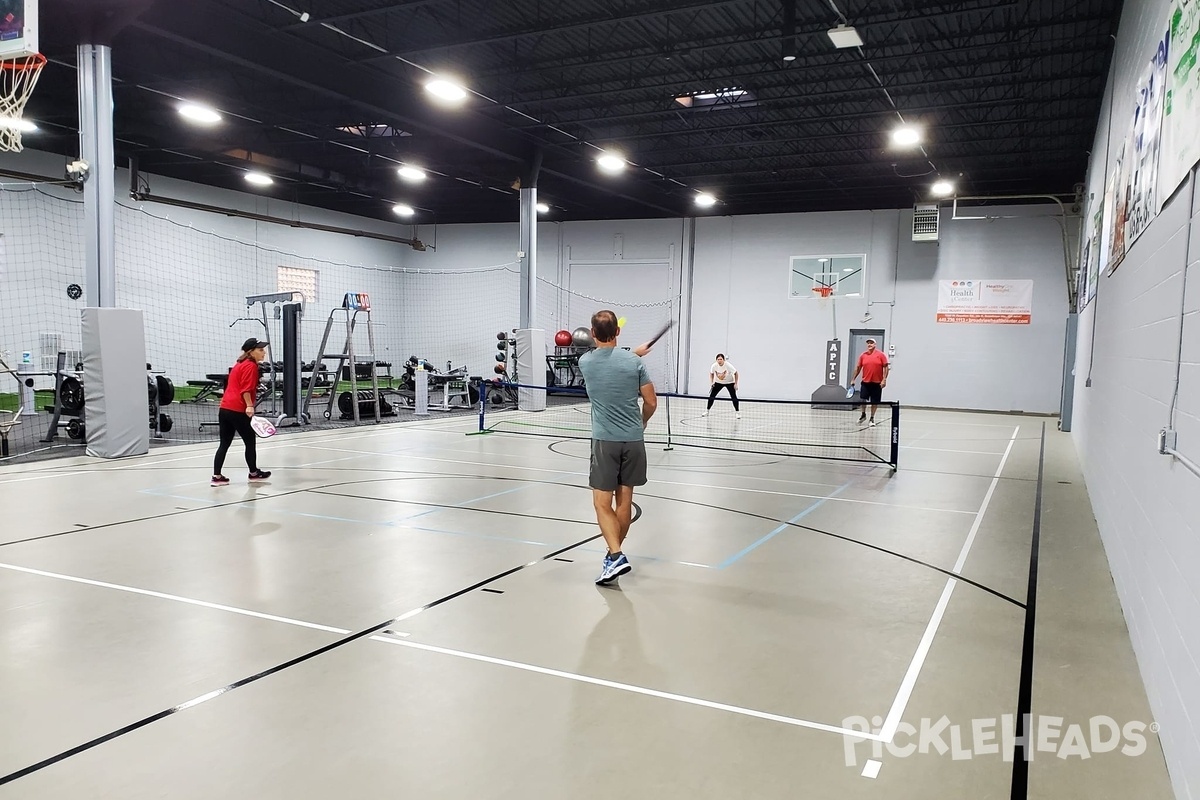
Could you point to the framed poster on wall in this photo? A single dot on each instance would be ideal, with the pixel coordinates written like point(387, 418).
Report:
point(985, 302)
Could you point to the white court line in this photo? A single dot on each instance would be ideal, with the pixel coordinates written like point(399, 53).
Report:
point(625, 687)
point(175, 597)
point(892, 722)
point(910, 421)
point(43, 475)
point(871, 769)
point(411, 456)
point(948, 450)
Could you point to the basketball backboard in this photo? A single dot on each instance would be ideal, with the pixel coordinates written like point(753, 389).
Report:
point(18, 28)
point(842, 273)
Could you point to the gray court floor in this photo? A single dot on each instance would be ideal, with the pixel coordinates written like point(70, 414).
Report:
point(407, 611)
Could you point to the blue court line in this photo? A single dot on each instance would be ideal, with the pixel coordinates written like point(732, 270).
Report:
point(745, 551)
point(383, 523)
point(465, 503)
point(640, 557)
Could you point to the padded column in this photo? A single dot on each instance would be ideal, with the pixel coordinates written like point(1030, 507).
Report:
point(114, 382)
point(531, 368)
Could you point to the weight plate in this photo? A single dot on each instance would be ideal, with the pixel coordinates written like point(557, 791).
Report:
point(70, 395)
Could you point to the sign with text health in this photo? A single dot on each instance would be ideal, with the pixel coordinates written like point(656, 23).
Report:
point(985, 302)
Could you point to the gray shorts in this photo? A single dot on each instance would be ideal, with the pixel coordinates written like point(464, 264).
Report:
point(617, 464)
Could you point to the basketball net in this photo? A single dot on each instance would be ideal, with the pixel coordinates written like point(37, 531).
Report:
point(824, 295)
point(18, 76)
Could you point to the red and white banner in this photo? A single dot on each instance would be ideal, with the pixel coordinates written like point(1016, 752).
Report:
point(985, 302)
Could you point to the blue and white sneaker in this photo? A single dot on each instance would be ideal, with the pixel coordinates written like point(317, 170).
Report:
point(613, 569)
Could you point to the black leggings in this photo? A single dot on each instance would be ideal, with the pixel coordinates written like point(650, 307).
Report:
point(716, 388)
point(238, 422)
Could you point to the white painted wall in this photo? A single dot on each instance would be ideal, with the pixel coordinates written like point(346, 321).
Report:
point(741, 305)
point(1146, 504)
point(190, 269)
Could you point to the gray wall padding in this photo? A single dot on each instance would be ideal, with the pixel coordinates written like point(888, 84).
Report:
point(114, 382)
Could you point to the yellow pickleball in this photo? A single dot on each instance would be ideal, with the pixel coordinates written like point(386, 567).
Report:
point(621, 322)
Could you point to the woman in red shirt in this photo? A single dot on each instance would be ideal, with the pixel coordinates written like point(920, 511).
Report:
point(237, 409)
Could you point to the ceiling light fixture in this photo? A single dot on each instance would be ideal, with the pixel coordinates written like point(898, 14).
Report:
point(402, 210)
point(844, 36)
point(906, 136)
point(199, 113)
point(943, 188)
point(259, 178)
point(788, 30)
point(705, 200)
point(445, 89)
point(611, 162)
point(411, 174)
point(543, 208)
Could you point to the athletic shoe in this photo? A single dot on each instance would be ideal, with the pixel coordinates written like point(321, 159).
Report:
point(738, 415)
point(862, 417)
point(873, 423)
point(603, 578)
point(704, 413)
point(259, 475)
point(220, 480)
point(613, 569)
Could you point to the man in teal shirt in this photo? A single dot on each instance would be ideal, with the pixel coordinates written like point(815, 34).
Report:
point(615, 379)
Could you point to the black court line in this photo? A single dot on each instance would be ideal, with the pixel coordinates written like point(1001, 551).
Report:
point(1020, 770)
point(948, 573)
point(638, 513)
point(398, 476)
point(99, 740)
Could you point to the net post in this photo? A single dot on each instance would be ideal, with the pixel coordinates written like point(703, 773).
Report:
point(895, 436)
point(483, 387)
point(668, 404)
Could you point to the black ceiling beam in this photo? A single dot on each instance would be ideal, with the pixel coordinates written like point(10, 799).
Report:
point(764, 123)
point(880, 154)
point(749, 74)
point(221, 32)
point(763, 100)
point(359, 16)
point(831, 58)
point(692, 6)
point(814, 27)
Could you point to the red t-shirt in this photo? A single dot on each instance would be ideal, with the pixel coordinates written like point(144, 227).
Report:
point(242, 378)
point(872, 366)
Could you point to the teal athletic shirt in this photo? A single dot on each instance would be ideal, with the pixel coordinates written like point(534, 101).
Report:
point(614, 379)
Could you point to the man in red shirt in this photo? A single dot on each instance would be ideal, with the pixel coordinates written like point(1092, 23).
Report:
point(237, 410)
point(873, 365)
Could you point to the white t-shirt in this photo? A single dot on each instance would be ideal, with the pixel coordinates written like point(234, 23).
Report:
point(724, 374)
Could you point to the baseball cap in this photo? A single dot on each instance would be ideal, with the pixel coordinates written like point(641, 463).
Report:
point(253, 344)
point(871, 340)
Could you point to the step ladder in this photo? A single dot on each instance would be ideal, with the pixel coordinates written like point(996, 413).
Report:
point(346, 357)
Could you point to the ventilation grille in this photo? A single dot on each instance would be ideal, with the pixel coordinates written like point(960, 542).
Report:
point(925, 222)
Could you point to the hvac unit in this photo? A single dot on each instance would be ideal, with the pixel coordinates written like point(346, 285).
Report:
point(925, 222)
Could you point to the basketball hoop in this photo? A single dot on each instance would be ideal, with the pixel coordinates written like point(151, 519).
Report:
point(18, 76)
point(824, 295)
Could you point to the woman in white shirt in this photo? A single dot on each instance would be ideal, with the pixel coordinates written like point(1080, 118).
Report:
point(722, 374)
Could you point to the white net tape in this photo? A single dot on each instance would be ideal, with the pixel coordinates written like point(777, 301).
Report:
point(18, 76)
